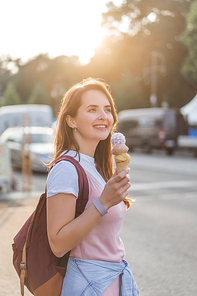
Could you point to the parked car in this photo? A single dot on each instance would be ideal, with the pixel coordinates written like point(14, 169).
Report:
point(152, 128)
point(32, 114)
point(40, 146)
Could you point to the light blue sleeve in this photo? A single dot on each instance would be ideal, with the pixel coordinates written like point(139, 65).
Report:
point(63, 178)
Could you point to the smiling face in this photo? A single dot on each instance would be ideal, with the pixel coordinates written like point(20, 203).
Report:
point(94, 120)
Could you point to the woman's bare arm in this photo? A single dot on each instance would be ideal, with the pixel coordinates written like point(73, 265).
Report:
point(65, 232)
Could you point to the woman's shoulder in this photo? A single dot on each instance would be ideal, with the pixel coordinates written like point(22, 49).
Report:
point(63, 177)
point(63, 169)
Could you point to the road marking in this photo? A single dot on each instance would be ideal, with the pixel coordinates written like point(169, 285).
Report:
point(154, 162)
point(177, 195)
point(167, 196)
point(159, 185)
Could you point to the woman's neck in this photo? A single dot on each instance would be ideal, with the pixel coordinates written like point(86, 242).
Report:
point(87, 150)
point(86, 146)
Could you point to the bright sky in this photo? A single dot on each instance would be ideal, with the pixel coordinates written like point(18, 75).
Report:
point(60, 27)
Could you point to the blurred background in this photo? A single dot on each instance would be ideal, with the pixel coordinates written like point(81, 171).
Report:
point(146, 50)
point(47, 46)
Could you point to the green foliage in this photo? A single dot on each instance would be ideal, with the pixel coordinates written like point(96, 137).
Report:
point(133, 16)
point(39, 95)
point(189, 38)
point(135, 29)
point(11, 96)
point(141, 27)
point(41, 77)
point(127, 92)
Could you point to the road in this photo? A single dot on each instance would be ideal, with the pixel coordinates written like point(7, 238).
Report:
point(159, 231)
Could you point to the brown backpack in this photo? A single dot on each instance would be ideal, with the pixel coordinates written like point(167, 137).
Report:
point(38, 268)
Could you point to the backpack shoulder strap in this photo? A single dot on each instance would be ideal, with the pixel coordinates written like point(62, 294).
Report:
point(82, 181)
point(81, 200)
point(80, 206)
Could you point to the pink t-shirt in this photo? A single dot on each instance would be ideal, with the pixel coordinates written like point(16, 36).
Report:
point(103, 242)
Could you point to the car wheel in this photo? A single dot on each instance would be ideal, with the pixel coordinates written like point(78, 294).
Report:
point(169, 151)
point(147, 148)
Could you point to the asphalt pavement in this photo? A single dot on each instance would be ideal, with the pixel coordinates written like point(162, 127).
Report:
point(13, 214)
point(159, 231)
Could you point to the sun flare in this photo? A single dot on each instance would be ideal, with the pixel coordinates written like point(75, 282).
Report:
point(58, 27)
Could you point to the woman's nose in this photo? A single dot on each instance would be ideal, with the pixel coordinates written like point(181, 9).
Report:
point(102, 115)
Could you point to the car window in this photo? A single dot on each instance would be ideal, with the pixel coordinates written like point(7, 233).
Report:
point(146, 122)
point(17, 136)
point(127, 125)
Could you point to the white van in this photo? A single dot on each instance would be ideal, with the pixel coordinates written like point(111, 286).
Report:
point(12, 116)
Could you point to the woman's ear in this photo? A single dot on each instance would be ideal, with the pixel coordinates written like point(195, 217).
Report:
point(69, 121)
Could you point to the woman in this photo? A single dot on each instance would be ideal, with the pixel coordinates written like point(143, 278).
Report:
point(84, 127)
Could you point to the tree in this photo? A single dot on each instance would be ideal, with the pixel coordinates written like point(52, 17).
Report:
point(143, 27)
point(55, 76)
point(39, 95)
point(8, 68)
point(127, 92)
point(189, 38)
point(11, 96)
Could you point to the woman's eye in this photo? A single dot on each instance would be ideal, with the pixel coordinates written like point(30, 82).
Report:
point(108, 110)
point(92, 110)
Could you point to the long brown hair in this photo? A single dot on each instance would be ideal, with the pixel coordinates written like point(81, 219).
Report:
point(64, 138)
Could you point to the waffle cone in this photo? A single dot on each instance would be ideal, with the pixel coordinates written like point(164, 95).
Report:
point(121, 166)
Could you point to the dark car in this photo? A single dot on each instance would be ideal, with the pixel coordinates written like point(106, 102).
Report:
point(152, 128)
point(40, 147)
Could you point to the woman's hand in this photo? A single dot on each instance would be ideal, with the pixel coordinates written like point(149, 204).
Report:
point(65, 232)
point(116, 189)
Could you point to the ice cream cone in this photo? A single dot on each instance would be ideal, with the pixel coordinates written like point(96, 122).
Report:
point(119, 151)
point(121, 166)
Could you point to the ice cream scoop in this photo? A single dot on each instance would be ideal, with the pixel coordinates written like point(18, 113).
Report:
point(119, 151)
